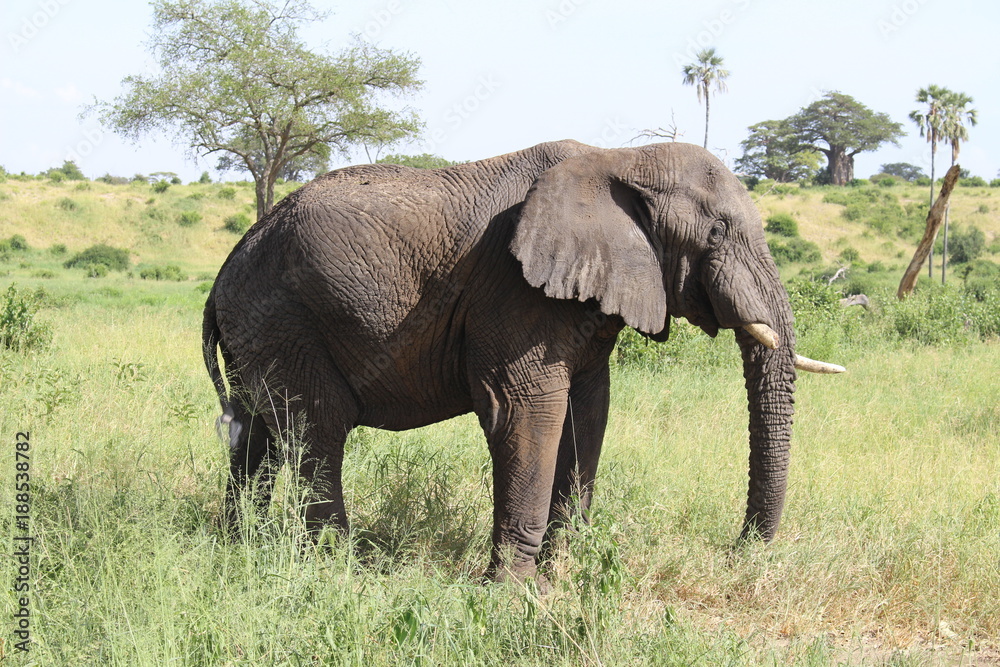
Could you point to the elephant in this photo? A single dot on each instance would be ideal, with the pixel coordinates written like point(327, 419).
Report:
point(392, 297)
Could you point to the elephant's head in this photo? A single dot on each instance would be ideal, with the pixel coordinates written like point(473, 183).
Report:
point(667, 230)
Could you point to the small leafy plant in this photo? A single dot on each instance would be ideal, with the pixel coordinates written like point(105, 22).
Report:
point(19, 329)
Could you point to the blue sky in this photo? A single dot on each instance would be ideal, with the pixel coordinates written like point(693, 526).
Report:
point(500, 76)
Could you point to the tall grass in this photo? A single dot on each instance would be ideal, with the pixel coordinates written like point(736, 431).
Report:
point(887, 553)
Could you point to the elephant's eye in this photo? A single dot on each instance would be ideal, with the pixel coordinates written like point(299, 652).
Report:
point(717, 233)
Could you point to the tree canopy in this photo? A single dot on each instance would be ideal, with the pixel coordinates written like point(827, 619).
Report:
point(235, 79)
point(771, 151)
point(422, 161)
point(905, 170)
point(840, 127)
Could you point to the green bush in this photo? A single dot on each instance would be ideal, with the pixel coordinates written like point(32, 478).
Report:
point(116, 259)
point(57, 249)
point(189, 218)
point(67, 204)
point(169, 272)
point(160, 187)
point(973, 182)
point(18, 243)
point(237, 224)
point(19, 329)
point(782, 224)
point(886, 180)
point(96, 270)
point(849, 255)
point(995, 183)
point(793, 251)
point(226, 193)
point(966, 246)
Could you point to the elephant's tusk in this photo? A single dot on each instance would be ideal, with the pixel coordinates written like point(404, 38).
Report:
point(813, 366)
point(764, 334)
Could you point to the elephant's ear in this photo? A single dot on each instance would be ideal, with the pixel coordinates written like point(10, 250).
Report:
point(583, 234)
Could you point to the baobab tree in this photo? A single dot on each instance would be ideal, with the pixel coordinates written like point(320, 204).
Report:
point(702, 74)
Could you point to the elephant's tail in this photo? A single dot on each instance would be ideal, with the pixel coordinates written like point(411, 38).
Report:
point(211, 339)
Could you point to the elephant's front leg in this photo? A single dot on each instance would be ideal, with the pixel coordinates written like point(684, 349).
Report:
point(580, 444)
point(523, 431)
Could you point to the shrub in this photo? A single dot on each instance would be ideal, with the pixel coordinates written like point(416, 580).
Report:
point(886, 180)
point(205, 178)
point(237, 224)
point(983, 208)
point(19, 330)
point(43, 273)
point(793, 251)
point(67, 204)
point(115, 259)
point(169, 272)
point(18, 243)
point(923, 180)
point(782, 224)
point(995, 183)
point(96, 270)
point(113, 180)
point(965, 246)
point(227, 193)
point(57, 249)
point(160, 187)
point(188, 218)
point(973, 182)
point(849, 255)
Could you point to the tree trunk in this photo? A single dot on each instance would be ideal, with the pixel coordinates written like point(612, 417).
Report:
point(841, 167)
point(930, 204)
point(264, 190)
point(944, 250)
point(934, 219)
point(705, 146)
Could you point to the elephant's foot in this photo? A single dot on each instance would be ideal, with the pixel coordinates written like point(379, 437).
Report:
point(324, 518)
point(518, 569)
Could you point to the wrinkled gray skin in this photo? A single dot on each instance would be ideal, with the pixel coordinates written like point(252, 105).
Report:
point(392, 297)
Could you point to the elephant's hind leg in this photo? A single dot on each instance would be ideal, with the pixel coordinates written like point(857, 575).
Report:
point(252, 465)
point(322, 411)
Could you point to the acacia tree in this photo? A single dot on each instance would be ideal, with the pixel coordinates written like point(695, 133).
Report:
point(235, 79)
point(707, 70)
point(840, 127)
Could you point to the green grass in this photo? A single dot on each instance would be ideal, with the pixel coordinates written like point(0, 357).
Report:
point(888, 546)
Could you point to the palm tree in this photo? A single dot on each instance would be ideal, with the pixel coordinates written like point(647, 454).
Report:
point(955, 115)
point(931, 124)
point(702, 74)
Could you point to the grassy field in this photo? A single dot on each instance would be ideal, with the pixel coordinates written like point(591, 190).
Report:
point(889, 551)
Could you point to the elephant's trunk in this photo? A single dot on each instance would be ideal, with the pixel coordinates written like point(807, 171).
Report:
point(770, 383)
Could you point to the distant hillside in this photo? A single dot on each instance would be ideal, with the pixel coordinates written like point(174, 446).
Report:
point(183, 225)
point(873, 228)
